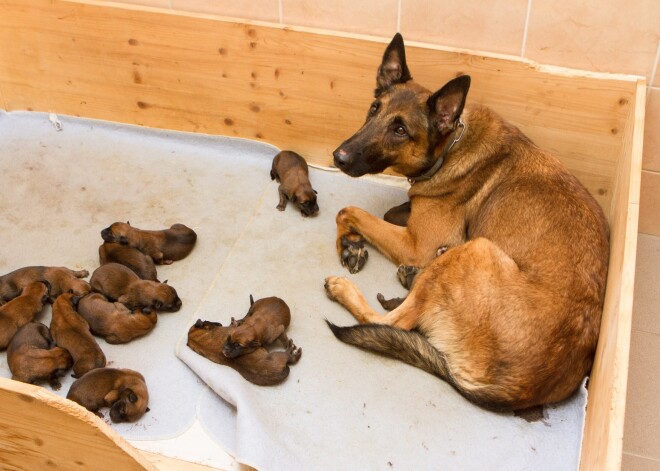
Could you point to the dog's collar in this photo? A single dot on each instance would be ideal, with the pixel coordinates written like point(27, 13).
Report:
point(460, 125)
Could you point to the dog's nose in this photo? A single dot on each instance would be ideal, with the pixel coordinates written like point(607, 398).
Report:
point(342, 158)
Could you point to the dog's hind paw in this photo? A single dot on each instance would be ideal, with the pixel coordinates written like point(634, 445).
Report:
point(406, 275)
point(389, 304)
point(353, 255)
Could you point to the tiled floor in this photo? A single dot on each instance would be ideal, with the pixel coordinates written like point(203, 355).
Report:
point(641, 441)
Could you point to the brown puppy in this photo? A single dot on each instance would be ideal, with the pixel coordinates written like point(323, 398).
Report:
point(120, 283)
point(265, 322)
point(509, 315)
point(259, 367)
point(32, 355)
point(164, 247)
point(21, 310)
point(61, 279)
point(291, 170)
point(123, 391)
point(114, 321)
point(141, 264)
point(71, 331)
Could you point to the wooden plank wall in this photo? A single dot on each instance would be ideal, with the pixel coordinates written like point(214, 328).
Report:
point(303, 90)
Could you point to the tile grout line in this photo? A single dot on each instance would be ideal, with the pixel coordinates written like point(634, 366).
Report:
point(525, 29)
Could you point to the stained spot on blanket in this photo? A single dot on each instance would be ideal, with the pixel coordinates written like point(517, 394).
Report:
point(531, 415)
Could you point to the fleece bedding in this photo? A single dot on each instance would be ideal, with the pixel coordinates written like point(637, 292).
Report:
point(67, 178)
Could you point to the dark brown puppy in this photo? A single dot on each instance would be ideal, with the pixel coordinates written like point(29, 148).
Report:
point(61, 279)
point(291, 170)
point(114, 321)
point(141, 264)
point(259, 367)
point(32, 356)
point(21, 310)
point(71, 331)
point(265, 322)
point(123, 391)
point(164, 247)
point(120, 283)
point(510, 314)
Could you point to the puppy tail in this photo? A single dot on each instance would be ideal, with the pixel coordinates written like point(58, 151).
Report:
point(414, 349)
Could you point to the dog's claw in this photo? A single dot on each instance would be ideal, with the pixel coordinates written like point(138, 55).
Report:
point(406, 275)
point(353, 255)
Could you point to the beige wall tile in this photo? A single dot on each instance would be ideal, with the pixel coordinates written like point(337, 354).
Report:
point(376, 17)
point(487, 25)
point(606, 36)
point(642, 422)
point(647, 285)
point(649, 203)
point(149, 3)
point(652, 131)
point(262, 10)
point(639, 463)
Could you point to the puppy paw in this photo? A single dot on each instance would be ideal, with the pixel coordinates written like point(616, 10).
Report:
point(389, 304)
point(353, 254)
point(406, 275)
point(294, 353)
point(281, 207)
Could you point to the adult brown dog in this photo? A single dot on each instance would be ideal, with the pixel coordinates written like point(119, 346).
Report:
point(61, 279)
point(71, 331)
point(21, 310)
point(120, 283)
point(510, 314)
point(32, 356)
point(259, 367)
point(114, 321)
point(265, 322)
point(291, 170)
point(123, 391)
point(164, 247)
point(130, 257)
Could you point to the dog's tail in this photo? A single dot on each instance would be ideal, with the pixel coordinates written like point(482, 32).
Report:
point(413, 348)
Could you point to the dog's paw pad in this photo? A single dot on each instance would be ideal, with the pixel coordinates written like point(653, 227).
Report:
point(406, 275)
point(353, 255)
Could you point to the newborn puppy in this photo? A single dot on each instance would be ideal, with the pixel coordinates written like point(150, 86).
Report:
point(265, 322)
point(164, 247)
point(291, 170)
point(123, 391)
point(21, 310)
point(259, 367)
point(71, 331)
point(32, 356)
point(141, 264)
point(114, 321)
point(120, 283)
point(61, 279)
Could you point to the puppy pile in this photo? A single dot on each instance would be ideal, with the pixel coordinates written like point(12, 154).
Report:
point(120, 303)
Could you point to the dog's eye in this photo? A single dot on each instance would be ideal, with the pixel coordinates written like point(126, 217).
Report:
point(400, 131)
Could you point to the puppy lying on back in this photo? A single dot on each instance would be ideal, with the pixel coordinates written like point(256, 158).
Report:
point(123, 391)
point(71, 331)
point(61, 279)
point(141, 264)
point(21, 310)
point(164, 247)
point(114, 321)
point(32, 356)
point(119, 283)
point(291, 170)
point(265, 322)
point(259, 367)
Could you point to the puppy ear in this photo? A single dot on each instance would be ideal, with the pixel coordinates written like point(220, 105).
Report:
point(315, 192)
point(393, 68)
point(147, 410)
point(251, 300)
point(75, 300)
point(165, 282)
point(128, 222)
point(446, 105)
point(123, 240)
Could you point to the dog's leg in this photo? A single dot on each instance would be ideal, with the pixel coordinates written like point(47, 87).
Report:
point(283, 199)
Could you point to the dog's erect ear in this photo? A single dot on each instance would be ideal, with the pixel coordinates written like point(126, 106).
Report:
point(128, 222)
point(446, 105)
point(393, 69)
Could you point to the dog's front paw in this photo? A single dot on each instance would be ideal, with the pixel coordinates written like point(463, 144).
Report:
point(294, 352)
point(353, 253)
point(406, 275)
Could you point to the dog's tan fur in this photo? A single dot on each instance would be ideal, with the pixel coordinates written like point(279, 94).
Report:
point(71, 331)
point(164, 246)
point(61, 279)
point(510, 314)
point(265, 322)
point(259, 367)
point(291, 170)
point(114, 321)
point(119, 283)
point(123, 391)
point(141, 264)
point(32, 356)
point(21, 310)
